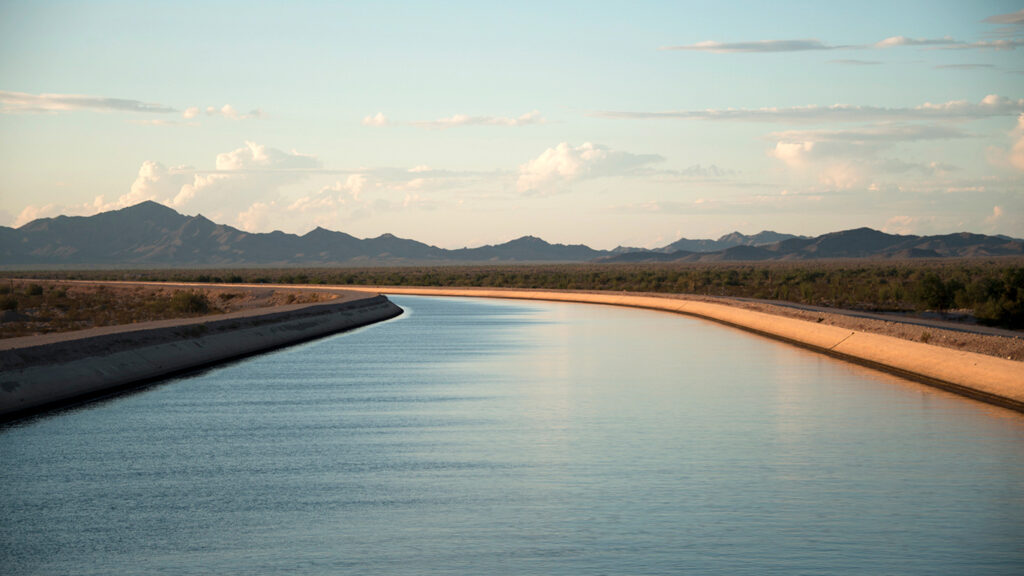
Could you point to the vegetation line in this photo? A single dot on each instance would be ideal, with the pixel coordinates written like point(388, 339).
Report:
point(988, 291)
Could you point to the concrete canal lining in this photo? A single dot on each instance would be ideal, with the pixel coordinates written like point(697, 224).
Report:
point(993, 380)
point(39, 372)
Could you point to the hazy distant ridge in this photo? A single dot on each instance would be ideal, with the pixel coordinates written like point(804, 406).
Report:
point(152, 235)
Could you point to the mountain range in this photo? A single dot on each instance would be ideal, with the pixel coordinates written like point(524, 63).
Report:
point(152, 235)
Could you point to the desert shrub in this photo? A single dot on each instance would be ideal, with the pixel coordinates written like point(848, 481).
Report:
point(189, 302)
point(34, 290)
point(931, 292)
point(8, 303)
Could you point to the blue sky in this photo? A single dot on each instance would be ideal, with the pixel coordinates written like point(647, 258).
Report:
point(472, 123)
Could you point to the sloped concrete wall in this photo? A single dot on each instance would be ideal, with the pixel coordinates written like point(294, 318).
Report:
point(994, 380)
point(38, 376)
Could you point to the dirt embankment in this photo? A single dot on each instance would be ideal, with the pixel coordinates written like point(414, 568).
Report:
point(29, 307)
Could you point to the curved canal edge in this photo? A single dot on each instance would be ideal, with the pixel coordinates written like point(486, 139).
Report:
point(986, 378)
point(44, 372)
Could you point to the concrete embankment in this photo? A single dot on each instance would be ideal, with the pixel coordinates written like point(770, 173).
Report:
point(44, 371)
point(989, 379)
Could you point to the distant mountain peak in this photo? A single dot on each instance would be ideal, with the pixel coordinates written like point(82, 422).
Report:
point(149, 234)
point(149, 208)
point(528, 240)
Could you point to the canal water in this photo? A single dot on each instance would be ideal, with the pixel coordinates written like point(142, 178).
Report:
point(497, 437)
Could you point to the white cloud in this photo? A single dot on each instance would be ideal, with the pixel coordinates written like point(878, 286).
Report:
point(21, 102)
point(1012, 157)
point(30, 213)
point(848, 158)
point(379, 119)
point(155, 182)
point(756, 46)
point(904, 41)
point(996, 217)
point(565, 163)
point(190, 112)
point(228, 111)
point(991, 106)
point(458, 120)
point(257, 217)
point(793, 153)
point(254, 156)
point(245, 177)
point(354, 184)
point(1017, 151)
point(332, 204)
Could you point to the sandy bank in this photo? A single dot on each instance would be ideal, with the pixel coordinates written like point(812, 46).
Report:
point(41, 371)
point(994, 380)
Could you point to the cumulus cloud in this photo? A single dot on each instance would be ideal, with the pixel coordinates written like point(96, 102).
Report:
point(1017, 151)
point(842, 159)
point(228, 111)
point(992, 105)
point(996, 216)
point(378, 119)
point(565, 163)
point(190, 112)
point(756, 46)
point(30, 213)
point(328, 206)
point(156, 182)
point(257, 217)
point(243, 178)
point(255, 156)
point(793, 153)
point(457, 120)
point(21, 102)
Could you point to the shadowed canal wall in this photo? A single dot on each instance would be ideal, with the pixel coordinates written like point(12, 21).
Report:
point(45, 371)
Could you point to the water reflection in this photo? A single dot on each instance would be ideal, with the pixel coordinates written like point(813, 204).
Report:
point(504, 437)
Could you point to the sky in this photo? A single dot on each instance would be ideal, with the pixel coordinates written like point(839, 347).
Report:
point(472, 123)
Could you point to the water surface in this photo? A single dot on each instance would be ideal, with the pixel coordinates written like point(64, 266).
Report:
point(476, 437)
